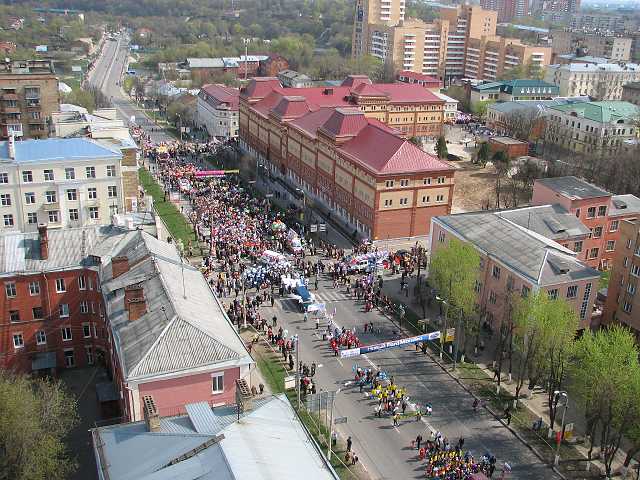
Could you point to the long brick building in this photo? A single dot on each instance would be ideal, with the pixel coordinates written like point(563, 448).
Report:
point(344, 148)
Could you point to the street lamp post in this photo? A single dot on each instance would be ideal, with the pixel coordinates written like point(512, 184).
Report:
point(333, 403)
point(297, 340)
point(557, 395)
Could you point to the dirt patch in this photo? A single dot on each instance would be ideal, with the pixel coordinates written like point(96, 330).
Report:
point(474, 187)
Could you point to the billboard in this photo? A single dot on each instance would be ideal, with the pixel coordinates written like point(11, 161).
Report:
point(354, 352)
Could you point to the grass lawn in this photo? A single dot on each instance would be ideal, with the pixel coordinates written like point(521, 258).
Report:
point(173, 219)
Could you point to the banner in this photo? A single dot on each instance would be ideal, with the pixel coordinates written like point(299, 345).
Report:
point(215, 173)
point(353, 352)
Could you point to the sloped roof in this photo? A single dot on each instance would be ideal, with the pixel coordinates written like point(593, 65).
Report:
point(312, 121)
point(418, 76)
point(184, 326)
point(221, 94)
point(290, 107)
point(355, 80)
point(602, 112)
point(344, 122)
point(381, 151)
point(55, 149)
point(550, 221)
point(624, 205)
point(368, 90)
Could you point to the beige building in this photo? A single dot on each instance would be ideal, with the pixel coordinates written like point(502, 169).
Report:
point(631, 93)
point(436, 49)
point(597, 44)
point(489, 57)
point(64, 183)
point(28, 96)
point(602, 81)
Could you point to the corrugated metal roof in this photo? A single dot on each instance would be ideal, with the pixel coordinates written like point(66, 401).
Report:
point(202, 417)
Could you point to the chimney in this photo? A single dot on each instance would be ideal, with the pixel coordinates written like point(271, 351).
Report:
point(12, 147)
point(44, 241)
point(133, 291)
point(151, 417)
point(136, 307)
point(119, 265)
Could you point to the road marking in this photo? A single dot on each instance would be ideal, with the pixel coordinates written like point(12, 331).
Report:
point(320, 365)
point(396, 429)
point(373, 365)
point(340, 362)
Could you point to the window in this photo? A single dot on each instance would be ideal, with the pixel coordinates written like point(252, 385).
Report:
point(93, 213)
point(82, 282)
point(27, 176)
point(478, 287)
point(66, 334)
point(54, 216)
point(69, 358)
point(112, 191)
point(91, 172)
point(572, 291)
point(626, 307)
point(32, 218)
point(631, 289)
point(4, 178)
point(14, 316)
point(613, 226)
point(60, 285)
point(388, 202)
point(577, 246)
point(86, 330)
point(92, 193)
point(84, 307)
point(38, 313)
point(404, 201)
point(30, 198)
point(48, 176)
point(525, 291)
point(439, 198)
point(441, 180)
point(578, 213)
point(70, 173)
point(591, 212)
point(34, 288)
point(404, 183)
point(111, 170)
point(8, 220)
point(637, 251)
point(217, 382)
point(593, 253)
point(496, 272)
point(426, 181)
point(625, 262)
point(63, 310)
point(441, 236)
point(18, 341)
point(73, 215)
point(611, 245)
point(602, 210)
point(10, 289)
point(41, 337)
point(493, 298)
point(553, 293)
point(51, 196)
point(72, 194)
point(635, 270)
point(5, 200)
point(425, 199)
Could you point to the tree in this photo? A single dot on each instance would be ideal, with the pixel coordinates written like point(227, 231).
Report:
point(521, 123)
point(441, 147)
point(453, 272)
point(416, 141)
point(35, 416)
point(502, 164)
point(605, 377)
point(479, 109)
point(483, 153)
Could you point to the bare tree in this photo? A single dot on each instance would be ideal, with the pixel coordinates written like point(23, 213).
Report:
point(521, 123)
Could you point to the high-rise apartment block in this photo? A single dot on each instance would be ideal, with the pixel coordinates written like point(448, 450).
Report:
point(507, 9)
point(596, 44)
point(28, 97)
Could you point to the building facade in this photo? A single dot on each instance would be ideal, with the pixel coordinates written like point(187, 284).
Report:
point(430, 83)
point(217, 110)
point(28, 96)
point(602, 81)
point(631, 93)
point(598, 210)
point(513, 90)
point(623, 301)
point(515, 260)
point(598, 44)
point(593, 127)
point(344, 158)
point(507, 9)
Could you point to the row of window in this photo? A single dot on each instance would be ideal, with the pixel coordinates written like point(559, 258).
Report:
point(49, 176)
point(405, 182)
point(405, 201)
point(51, 196)
point(602, 212)
point(66, 334)
point(61, 286)
point(53, 216)
point(63, 311)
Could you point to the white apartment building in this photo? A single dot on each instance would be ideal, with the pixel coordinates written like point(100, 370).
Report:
point(602, 81)
point(217, 110)
point(68, 183)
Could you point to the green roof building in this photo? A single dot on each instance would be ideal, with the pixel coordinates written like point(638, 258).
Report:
point(518, 89)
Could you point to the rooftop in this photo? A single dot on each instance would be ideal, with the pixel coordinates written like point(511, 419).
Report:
point(632, 86)
point(220, 95)
point(601, 112)
point(550, 221)
point(418, 76)
point(518, 86)
point(541, 105)
point(573, 188)
point(506, 140)
point(56, 149)
point(624, 205)
point(523, 250)
point(211, 444)
point(597, 67)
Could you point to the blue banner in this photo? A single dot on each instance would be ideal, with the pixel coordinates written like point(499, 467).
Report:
point(354, 352)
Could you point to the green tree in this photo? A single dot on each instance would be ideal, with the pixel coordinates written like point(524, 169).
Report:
point(483, 153)
point(605, 376)
point(441, 147)
point(416, 141)
point(479, 109)
point(35, 417)
point(453, 271)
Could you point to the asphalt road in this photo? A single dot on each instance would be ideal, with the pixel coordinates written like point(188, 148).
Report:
point(106, 75)
point(382, 448)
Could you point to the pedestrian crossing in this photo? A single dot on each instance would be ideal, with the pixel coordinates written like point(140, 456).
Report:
point(327, 297)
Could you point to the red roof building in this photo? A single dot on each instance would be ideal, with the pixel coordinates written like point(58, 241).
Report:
point(430, 83)
point(345, 147)
point(217, 110)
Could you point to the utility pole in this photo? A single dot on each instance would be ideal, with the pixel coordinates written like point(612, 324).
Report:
point(246, 54)
point(333, 404)
point(457, 340)
point(298, 369)
point(558, 395)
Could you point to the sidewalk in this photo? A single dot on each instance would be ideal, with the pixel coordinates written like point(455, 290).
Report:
point(535, 403)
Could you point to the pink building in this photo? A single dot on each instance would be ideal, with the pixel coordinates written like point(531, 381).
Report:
point(599, 210)
point(515, 258)
point(170, 337)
